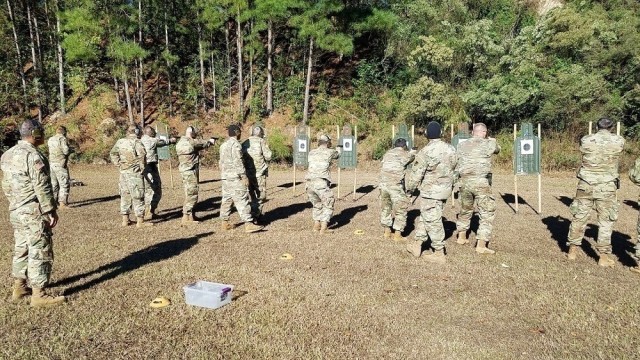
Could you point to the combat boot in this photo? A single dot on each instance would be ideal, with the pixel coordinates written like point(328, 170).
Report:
point(62, 206)
point(147, 213)
point(572, 254)
point(225, 225)
point(481, 248)
point(437, 257)
point(140, 223)
point(397, 236)
point(125, 220)
point(606, 260)
point(41, 299)
point(414, 248)
point(188, 219)
point(324, 228)
point(250, 227)
point(462, 238)
point(316, 225)
point(387, 232)
point(20, 290)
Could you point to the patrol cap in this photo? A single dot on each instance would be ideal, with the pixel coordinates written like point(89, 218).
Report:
point(400, 142)
point(605, 123)
point(133, 129)
point(149, 131)
point(234, 130)
point(324, 138)
point(31, 127)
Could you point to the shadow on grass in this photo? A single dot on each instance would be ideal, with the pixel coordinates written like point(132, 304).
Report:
point(510, 199)
point(346, 215)
point(565, 200)
point(413, 217)
point(633, 204)
point(152, 254)
point(209, 205)
point(286, 211)
point(209, 181)
point(621, 243)
point(94, 201)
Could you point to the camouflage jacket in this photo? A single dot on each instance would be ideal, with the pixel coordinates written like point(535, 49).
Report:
point(231, 165)
point(256, 155)
point(600, 155)
point(129, 154)
point(319, 163)
point(474, 157)
point(26, 177)
point(58, 150)
point(394, 165)
point(432, 172)
point(188, 150)
point(151, 145)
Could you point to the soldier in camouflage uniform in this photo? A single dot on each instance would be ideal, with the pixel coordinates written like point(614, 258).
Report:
point(432, 173)
point(153, 183)
point(256, 157)
point(634, 176)
point(129, 155)
point(394, 201)
point(32, 213)
point(188, 149)
point(235, 183)
point(59, 152)
point(598, 182)
point(318, 185)
point(474, 169)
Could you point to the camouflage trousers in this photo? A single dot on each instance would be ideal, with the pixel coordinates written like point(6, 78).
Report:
point(257, 193)
point(476, 192)
point(190, 185)
point(637, 246)
point(152, 186)
point(234, 192)
point(394, 204)
point(321, 197)
point(602, 198)
point(60, 182)
point(430, 223)
point(131, 193)
point(33, 251)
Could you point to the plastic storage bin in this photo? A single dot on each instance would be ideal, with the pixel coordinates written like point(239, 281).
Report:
point(207, 294)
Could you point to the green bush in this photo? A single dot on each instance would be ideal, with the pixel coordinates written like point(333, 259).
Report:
point(279, 144)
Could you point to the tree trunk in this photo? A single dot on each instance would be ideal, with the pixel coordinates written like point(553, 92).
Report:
point(201, 58)
point(213, 81)
point(305, 114)
point(34, 60)
point(128, 96)
point(37, 31)
point(117, 88)
point(240, 78)
point(61, 64)
point(141, 66)
point(136, 90)
point(270, 67)
point(226, 39)
point(18, 55)
point(166, 43)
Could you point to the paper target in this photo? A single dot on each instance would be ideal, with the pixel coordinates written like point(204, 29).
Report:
point(526, 147)
point(347, 144)
point(302, 145)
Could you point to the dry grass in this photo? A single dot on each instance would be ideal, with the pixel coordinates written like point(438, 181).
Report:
point(342, 296)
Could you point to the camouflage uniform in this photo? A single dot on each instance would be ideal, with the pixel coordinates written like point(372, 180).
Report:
point(474, 168)
point(234, 190)
point(58, 156)
point(394, 201)
point(597, 188)
point(636, 180)
point(432, 173)
point(129, 154)
point(256, 155)
point(27, 186)
point(188, 150)
point(153, 183)
point(318, 185)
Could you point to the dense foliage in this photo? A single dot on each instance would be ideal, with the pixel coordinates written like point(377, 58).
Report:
point(498, 61)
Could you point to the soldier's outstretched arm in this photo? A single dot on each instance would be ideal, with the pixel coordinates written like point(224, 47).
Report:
point(114, 155)
point(41, 182)
point(266, 151)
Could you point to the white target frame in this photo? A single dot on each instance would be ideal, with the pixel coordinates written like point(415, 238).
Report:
point(526, 147)
point(347, 145)
point(302, 145)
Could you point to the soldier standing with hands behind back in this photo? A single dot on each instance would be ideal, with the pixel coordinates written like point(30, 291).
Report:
point(32, 212)
point(59, 152)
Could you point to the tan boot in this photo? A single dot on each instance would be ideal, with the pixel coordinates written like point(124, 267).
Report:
point(437, 257)
point(188, 219)
point(387, 232)
point(462, 238)
point(481, 248)
point(324, 228)
point(606, 260)
point(635, 269)
point(125, 220)
point(572, 253)
point(250, 227)
point(414, 248)
point(140, 223)
point(397, 236)
point(20, 290)
point(62, 206)
point(41, 299)
point(225, 225)
point(147, 213)
point(316, 225)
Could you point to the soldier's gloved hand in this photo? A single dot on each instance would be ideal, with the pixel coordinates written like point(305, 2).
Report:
point(173, 140)
point(52, 219)
point(212, 141)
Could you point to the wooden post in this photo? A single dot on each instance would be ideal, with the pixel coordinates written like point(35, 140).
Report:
point(295, 139)
point(540, 172)
point(338, 139)
point(355, 169)
point(590, 127)
point(515, 171)
point(393, 132)
point(413, 133)
point(618, 128)
point(453, 195)
point(166, 129)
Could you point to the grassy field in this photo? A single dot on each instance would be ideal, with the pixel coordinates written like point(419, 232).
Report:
point(341, 296)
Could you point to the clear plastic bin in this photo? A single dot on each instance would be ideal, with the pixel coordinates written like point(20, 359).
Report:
point(207, 294)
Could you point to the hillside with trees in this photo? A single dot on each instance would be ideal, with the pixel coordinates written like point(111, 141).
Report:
point(321, 62)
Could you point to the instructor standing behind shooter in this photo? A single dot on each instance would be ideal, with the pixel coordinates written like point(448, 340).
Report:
point(319, 183)
point(153, 183)
point(59, 152)
point(256, 162)
point(32, 212)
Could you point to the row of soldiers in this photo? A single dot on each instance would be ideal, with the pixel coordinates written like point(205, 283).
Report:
point(28, 179)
